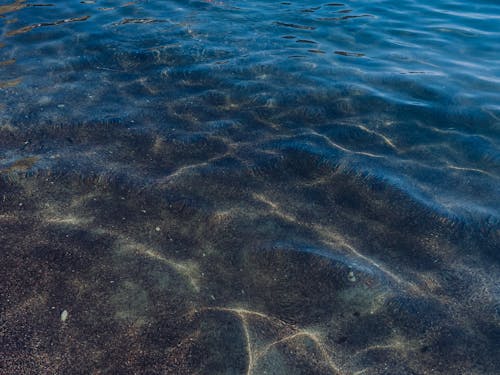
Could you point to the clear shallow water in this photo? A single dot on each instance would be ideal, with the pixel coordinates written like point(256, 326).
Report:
point(250, 187)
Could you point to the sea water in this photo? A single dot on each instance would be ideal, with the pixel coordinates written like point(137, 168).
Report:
point(250, 187)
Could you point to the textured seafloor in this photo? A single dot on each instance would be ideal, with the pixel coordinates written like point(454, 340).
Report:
point(250, 187)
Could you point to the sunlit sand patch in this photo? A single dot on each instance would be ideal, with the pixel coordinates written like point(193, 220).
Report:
point(240, 311)
point(275, 208)
point(122, 244)
point(333, 239)
point(55, 214)
point(7, 217)
point(68, 220)
point(243, 315)
point(256, 352)
point(363, 298)
point(301, 334)
point(185, 170)
point(398, 344)
point(187, 269)
point(340, 241)
point(319, 181)
point(224, 216)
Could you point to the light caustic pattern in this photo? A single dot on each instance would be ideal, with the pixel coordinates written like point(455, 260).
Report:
point(249, 187)
point(256, 352)
point(142, 272)
point(289, 334)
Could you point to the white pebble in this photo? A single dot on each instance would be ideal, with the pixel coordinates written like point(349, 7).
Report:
point(351, 277)
point(64, 316)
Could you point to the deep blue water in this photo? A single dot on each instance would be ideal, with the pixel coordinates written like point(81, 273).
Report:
point(250, 187)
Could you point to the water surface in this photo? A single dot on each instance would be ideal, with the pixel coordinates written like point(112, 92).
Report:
point(250, 187)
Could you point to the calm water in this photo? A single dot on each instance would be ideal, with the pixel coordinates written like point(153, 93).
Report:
point(250, 187)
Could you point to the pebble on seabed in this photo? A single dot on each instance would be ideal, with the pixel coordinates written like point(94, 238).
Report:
point(351, 277)
point(64, 316)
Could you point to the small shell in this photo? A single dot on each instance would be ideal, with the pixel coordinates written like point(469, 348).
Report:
point(64, 316)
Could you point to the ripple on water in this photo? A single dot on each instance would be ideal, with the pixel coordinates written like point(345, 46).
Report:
point(249, 187)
